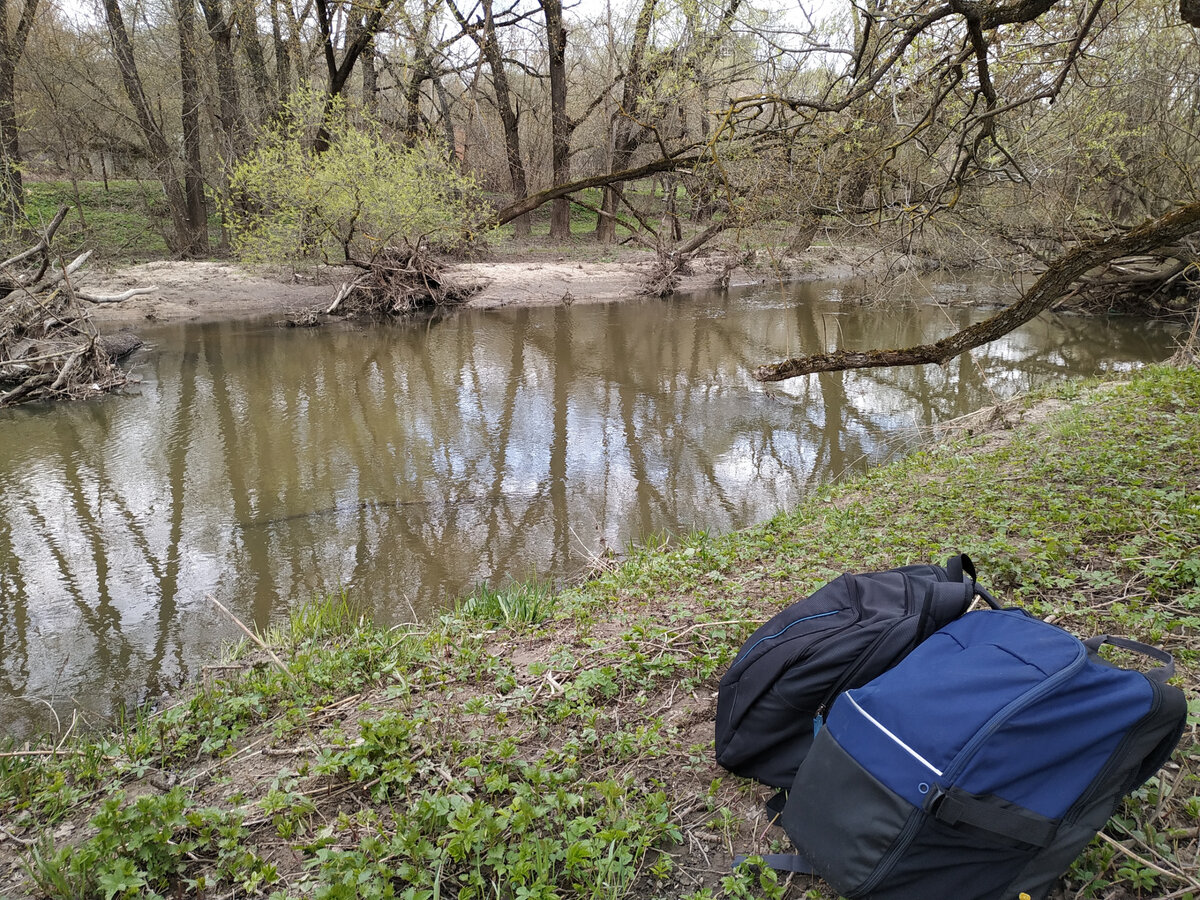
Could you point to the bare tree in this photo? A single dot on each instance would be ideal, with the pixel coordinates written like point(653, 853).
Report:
point(368, 21)
point(193, 156)
point(186, 205)
point(484, 31)
point(230, 115)
point(12, 47)
point(561, 125)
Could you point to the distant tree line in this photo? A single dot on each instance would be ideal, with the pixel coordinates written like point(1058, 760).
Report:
point(1031, 125)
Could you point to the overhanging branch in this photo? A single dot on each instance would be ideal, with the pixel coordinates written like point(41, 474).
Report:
point(532, 202)
point(1052, 285)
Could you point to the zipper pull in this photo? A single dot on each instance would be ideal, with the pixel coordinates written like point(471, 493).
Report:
point(819, 720)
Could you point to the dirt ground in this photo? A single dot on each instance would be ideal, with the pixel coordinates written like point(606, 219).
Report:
point(189, 290)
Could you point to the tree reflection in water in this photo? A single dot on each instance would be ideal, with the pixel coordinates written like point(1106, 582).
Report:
point(409, 463)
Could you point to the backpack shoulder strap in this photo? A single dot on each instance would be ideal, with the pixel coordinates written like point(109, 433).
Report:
point(783, 862)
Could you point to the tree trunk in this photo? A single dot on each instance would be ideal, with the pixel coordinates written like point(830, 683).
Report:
point(412, 98)
point(622, 140)
point(12, 189)
point(370, 78)
point(244, 17)
point(560, 123)
point(508, 118)
point(12, 47)
point(229, 111)
point(190, 97)
point(162, 157)
point(1053, 284)
point(283, 55)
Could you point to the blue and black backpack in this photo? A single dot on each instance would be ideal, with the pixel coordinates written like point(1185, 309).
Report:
point(979, 765)
point(791, 669)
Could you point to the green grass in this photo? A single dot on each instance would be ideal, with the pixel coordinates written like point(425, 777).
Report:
point(122, 222)
point(560, 746)
point(521, 603)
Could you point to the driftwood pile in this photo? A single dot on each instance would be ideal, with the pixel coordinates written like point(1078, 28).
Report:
point(1163, 283)
point(673, 262)
point(396, 282)
point(49, 347)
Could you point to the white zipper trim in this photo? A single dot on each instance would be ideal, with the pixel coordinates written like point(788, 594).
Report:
point(907, 749)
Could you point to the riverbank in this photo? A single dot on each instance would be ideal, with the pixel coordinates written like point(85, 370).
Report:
point(572, 757)
point(528, 274)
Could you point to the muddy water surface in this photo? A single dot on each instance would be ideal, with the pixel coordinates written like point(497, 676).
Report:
point(406, 464)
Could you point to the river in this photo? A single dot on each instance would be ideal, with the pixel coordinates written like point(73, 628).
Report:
point(264, 466)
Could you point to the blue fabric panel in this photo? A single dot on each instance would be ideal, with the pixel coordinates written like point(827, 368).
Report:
point(952, 685)
point(872, 749)
point(1046, 755)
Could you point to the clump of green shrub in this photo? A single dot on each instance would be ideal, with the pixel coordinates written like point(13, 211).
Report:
point(327, 182)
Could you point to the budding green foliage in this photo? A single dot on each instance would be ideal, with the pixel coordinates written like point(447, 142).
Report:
point(361, 195)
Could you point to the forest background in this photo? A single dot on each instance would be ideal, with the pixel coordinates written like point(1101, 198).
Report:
point(1025, 135)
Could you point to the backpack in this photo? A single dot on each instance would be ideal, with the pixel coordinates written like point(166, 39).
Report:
point(843, 635)
point(981, 765)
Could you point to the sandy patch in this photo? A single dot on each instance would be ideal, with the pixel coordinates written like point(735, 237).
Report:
point(186, 290)
point(204, 290)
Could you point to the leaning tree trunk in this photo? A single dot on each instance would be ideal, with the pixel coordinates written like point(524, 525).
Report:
point(12, 47)
point(161, 155)
point(1053, 284)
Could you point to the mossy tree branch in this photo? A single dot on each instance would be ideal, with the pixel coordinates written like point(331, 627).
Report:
point(1053, 284)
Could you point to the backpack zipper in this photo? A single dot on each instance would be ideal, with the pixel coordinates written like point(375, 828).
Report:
point(849, 675)
point(771, 637)
point(906, 835)
point(894, 738)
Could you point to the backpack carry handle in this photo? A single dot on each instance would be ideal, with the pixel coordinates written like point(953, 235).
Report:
point(962, 563)
point(1160, 674)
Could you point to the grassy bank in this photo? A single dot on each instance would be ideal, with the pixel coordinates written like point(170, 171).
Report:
point(489, 756)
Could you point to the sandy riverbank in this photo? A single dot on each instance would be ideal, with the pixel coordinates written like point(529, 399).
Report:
point(206, 290)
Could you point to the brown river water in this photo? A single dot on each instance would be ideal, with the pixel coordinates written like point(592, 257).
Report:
point(409, 463)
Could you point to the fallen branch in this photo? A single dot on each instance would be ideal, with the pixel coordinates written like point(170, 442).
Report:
point(41, 247)
point(254, 637)
point(1053, 284)
point(116, 298)
point(49, 281)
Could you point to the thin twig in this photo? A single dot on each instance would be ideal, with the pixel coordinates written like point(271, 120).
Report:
point(254, 637)
point(1141, 860)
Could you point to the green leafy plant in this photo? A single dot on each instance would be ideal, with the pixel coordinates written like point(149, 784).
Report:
point(155, 846)
point(524, 603)
point(291, 197)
